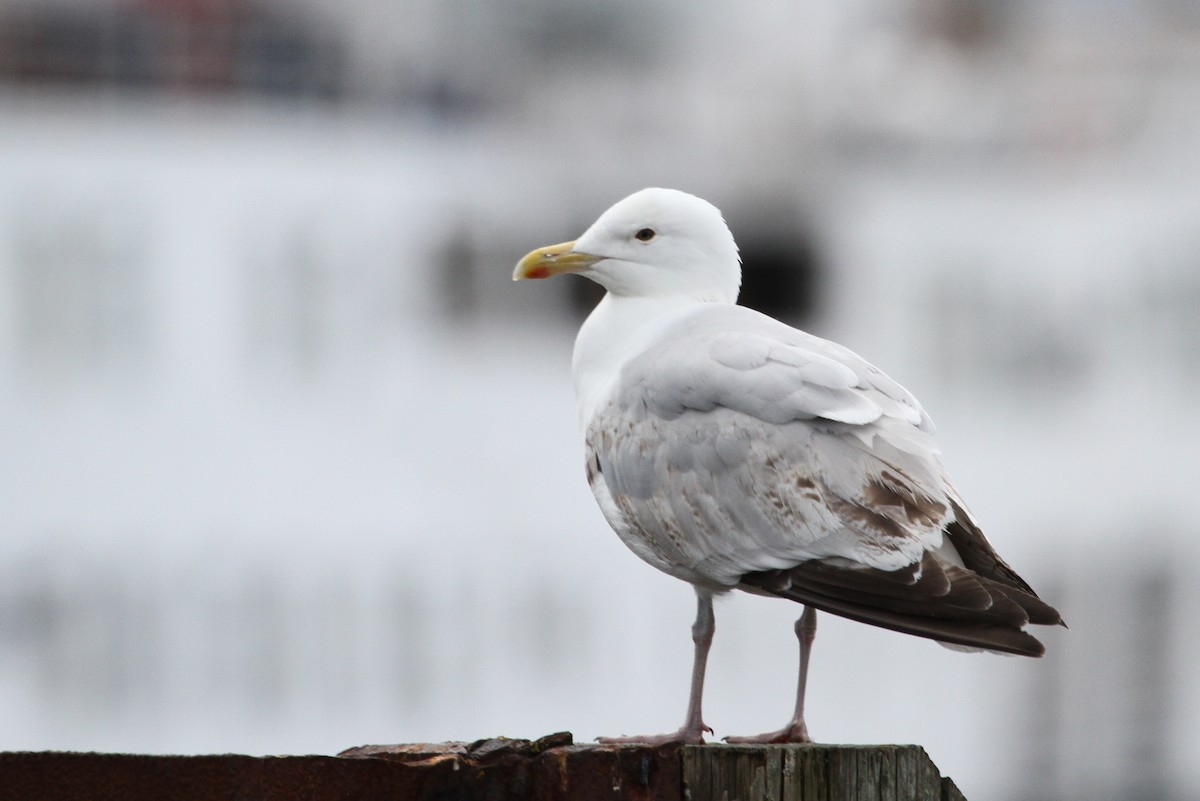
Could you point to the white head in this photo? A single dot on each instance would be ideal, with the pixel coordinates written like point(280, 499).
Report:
point(654, 243)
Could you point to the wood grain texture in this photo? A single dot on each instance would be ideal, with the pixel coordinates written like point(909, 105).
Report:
point(814, 773)
point(552, 768)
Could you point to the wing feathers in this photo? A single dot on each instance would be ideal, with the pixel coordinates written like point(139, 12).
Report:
point(734, 450)
point(957, 632)
point(933, 599)
point(732, 357)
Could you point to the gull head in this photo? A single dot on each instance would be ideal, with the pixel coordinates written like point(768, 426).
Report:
point(654, 243)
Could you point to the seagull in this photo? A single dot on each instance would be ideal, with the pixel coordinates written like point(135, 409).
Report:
point(732, 451)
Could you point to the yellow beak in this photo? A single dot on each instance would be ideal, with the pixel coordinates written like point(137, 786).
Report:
point(554, 260)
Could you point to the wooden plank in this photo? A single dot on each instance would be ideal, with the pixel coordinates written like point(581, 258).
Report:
point(550, 769)
point(747, 771)
point(950, 791)
point(814, 773)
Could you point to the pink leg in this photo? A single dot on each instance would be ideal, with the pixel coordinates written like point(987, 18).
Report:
point(795, 731)
point(693, 727)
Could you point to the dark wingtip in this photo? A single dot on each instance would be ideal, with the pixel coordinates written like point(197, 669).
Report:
point(883, 599)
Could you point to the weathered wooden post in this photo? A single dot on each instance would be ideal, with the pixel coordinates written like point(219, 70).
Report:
point(552, 768)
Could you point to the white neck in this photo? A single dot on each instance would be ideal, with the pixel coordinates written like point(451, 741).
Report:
point(618, 328)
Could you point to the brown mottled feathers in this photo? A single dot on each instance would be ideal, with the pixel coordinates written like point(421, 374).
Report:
point(977, 553)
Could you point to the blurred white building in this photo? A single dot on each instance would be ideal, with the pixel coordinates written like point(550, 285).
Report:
point(290, 465)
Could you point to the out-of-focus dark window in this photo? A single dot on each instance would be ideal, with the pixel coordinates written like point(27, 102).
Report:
point(179, 47)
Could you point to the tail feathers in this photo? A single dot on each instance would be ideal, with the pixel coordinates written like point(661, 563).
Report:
point(930, 599)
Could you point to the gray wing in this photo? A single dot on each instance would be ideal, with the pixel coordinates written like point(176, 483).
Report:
point(737, 451)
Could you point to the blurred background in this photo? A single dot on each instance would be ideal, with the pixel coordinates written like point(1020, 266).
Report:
point(288, 464)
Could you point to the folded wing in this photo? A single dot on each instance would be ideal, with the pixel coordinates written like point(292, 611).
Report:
point(738, 452)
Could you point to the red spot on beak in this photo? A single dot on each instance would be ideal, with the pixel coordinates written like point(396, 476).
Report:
point(538, 272)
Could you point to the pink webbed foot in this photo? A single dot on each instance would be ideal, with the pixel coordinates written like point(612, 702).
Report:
point(792, 733)
point(686, 735)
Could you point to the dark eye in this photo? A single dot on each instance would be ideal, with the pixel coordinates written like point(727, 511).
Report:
point(645, 235)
